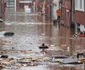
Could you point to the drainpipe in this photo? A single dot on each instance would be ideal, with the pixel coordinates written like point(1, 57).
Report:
point(50, 11)
point(76, 30)
point(84, 13)
point(72, 18)
point(84, 27)
point(15, 5)
point(44, 11)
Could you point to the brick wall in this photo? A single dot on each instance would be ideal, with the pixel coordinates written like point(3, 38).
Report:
point(2, 8)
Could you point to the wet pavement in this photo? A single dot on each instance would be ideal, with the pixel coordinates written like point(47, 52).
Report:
point(31, 30)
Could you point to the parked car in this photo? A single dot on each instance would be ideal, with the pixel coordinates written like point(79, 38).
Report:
point(1, 20)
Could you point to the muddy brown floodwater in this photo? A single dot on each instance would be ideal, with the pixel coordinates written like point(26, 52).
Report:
point(31, 30)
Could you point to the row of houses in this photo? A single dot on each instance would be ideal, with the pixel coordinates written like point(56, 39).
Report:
point(44, 7)
point(73, 13)
point(48, 7)
point(17, 5)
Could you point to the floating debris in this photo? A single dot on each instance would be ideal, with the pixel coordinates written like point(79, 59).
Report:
point(1, 20)
point(70, 60)
point(8, 33)
point(4, 56)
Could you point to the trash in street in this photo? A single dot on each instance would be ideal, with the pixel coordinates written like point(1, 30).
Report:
point(43, 47)
point(82, 60)
point(4, 56)
point(59, 56)
point(70, 60)
point(7, 62)
point(8, 33)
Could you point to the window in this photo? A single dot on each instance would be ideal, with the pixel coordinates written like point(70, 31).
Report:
point(79, 5)
point(76, 4)
point(10, 3)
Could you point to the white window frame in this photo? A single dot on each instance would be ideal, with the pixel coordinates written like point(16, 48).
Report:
point(78, 5)
point(10, 3)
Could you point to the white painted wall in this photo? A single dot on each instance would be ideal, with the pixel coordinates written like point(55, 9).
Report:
point(82, 28)
point(54, 8)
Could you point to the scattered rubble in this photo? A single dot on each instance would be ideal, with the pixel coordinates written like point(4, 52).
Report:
point(70, 60)
point(24, 61)
point(82, 60)
point(4, 56)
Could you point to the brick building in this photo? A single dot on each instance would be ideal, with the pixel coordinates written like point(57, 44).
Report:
point(44, 6)
point(65, 22)
point(79, 14)
point(65, 6)
point(2, 9)
point(72, 15)
point(19, 4)
point(71, 11)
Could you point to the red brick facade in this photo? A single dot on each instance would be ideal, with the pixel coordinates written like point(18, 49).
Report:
point(65, 12)
point(17, 4)
point(79, 17)
point(2, 8)
point(39, 4)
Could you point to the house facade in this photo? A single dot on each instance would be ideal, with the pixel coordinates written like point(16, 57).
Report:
point(72, 13)
point(65, 6)
point(20, 4)
point(65, 23)
point(17, 4)
point(55, 7)
point(10, 3)
point(44, 6)
point(79, 15)
point(2, 9)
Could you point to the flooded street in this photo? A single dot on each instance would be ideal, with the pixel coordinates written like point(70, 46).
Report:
point(31, 30)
